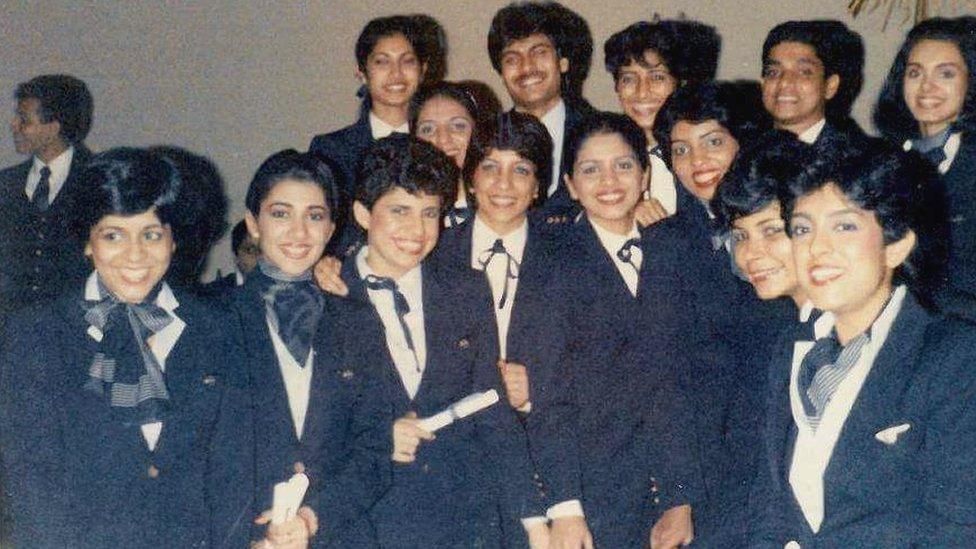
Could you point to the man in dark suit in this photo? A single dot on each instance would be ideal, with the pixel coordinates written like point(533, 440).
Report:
point(812, 72)
point(394, 56)
point(542, 52)
point(40, 258)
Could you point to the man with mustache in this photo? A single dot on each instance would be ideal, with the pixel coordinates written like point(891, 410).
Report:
point(542, 51)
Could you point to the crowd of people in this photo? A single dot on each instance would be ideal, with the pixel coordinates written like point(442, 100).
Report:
point(727, 317)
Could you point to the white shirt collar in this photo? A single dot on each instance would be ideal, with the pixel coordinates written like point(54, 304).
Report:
point(612, 242)
point(483, 238)
point(879, 329)
point(410, 283)
point(555, 123)
point(60, 167)
point(806, 310)
point(380, 129)
point(811, 134)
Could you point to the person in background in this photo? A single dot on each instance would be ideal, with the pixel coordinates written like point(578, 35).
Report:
point(928, 105)
point(812, 72)
point(127, 419)
point(542, 52)
point(393, 56)
point(648, 61)
point(447, 115)
point(246, 254)
point(40, 257)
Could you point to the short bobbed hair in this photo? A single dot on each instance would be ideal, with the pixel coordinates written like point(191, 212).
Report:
point(607, 123)
point(290, 164)
point(513, 131)
point(689, 49)
point(403, 161)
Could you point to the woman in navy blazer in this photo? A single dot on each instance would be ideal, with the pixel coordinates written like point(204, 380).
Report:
point(127, 419)
point(869, 438)
point(310, 412)
point(928, 105)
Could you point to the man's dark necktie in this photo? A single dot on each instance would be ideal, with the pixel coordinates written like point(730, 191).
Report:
point(40, 198)
point(400, 305)
point(511, 266)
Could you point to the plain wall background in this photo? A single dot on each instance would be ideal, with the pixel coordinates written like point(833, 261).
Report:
point(237, 81)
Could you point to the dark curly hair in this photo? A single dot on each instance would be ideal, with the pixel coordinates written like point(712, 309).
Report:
point(689, 49)
point(402, 161)
point(891, 115)
point(568, 32)
point(64, 99)
point(736, 106)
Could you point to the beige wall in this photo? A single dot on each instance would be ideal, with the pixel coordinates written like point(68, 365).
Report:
point(238, 80)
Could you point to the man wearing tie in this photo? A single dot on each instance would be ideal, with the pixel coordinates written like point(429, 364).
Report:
point(53, 116)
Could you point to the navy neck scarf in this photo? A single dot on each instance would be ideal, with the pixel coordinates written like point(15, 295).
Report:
point(294, 306)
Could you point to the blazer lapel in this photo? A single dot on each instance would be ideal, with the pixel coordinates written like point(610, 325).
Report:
point(600, 262)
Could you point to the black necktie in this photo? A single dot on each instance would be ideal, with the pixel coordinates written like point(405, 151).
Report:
point(40, 198)
point(400, 305)
point(511, 266)
point(626, 253)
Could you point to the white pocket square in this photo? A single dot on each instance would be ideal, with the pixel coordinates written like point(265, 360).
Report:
point(890, 435)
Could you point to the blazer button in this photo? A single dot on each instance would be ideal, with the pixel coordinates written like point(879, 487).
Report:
point(37, 253)
point(425, 468)
point(463, 343)
point(657, 500)
point(299, 468)
point(153, 472)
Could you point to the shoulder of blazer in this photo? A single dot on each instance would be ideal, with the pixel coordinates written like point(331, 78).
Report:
point(13, 178)
point(357, 134)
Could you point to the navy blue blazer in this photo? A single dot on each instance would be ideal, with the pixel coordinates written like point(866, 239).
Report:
point(41, 258)
point(916, 492)
point(536, 339)
point(451, 494)
point(635, 457)
point(345, 445)
point(79, 478)
point(960, 188)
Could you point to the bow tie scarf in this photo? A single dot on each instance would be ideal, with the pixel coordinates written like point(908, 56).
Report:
point(511, 267)
point(124, 369)
point(400, 306)
point(822, 371)
point(294, 307)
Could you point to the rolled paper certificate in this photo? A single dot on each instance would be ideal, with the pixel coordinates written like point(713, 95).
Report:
point(288, 498)
point(468, 405)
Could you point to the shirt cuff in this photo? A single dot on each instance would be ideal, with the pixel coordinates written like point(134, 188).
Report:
point(529, 522)
point(525, 408)
point(568, 508)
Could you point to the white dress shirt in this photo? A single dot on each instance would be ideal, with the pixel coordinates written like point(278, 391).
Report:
point(810, 135)
point(60, 167)
point(410, 285)
point(298, 380)
point(662, 184)
point(380, 129)
point(160, 343)
point(813, 448)
point(555, 123)
point(612, 242)
point(482, 239)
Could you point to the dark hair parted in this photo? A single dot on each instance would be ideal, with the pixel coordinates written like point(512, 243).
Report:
point(891, 115)
point(736, 106)
point(755, 178)
point(293, 165)
point(424, 33)
point(568, 32)
point(513, 131)
point(458, 92)
point(899, 188)
point(63, 99)
point(402, 161)
point(840, 49)
point(607, 123)
point(128, 181)
point(689, 49)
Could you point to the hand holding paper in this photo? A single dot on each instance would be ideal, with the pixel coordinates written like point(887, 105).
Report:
point(288, 498)
point(465, 407)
